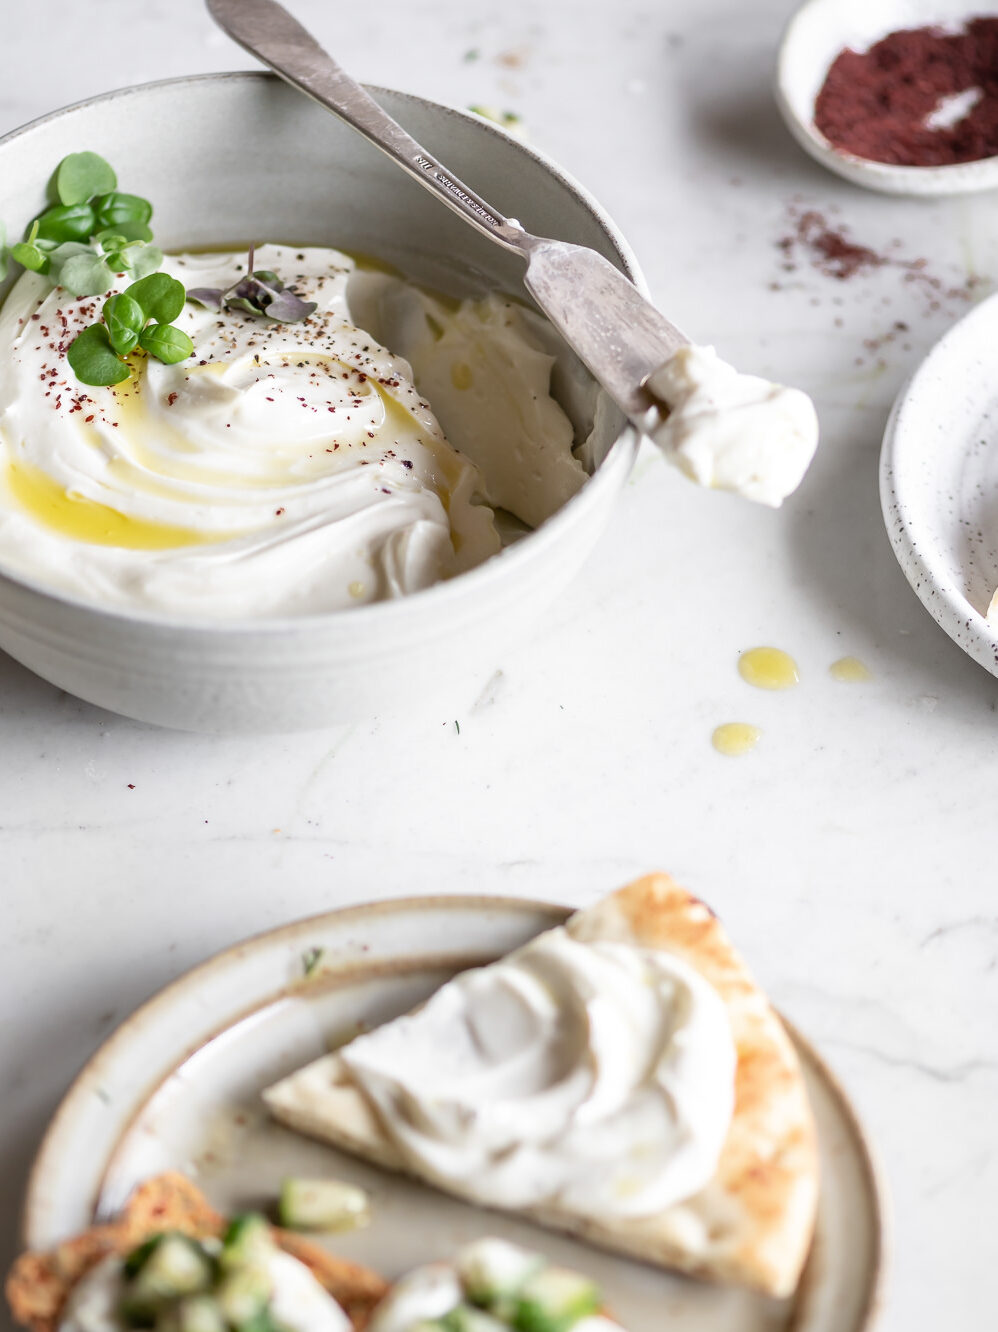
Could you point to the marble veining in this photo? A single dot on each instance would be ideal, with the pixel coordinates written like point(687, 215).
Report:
point(850, 855)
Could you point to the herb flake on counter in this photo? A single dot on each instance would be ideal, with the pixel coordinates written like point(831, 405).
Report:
point(310, 960)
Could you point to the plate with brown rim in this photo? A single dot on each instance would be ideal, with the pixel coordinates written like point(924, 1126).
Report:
point(177, 1086)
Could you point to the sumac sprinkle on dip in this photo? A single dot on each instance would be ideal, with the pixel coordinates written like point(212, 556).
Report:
point(919, 97)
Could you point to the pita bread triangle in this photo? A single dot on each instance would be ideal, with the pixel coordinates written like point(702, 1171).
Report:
point(752, 1223)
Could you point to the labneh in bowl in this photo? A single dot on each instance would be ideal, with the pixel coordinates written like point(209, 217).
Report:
point(241, 157)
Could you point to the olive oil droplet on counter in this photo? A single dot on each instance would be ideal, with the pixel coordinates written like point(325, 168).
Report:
point(735, 738)
point(768, 668)
point(850, 670)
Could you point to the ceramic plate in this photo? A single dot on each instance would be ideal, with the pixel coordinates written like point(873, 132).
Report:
point(178, 1086)
point(939, 481)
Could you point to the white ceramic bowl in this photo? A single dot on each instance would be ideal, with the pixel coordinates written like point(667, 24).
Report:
point(814, 37)
point(939, 482)
point(235, 157)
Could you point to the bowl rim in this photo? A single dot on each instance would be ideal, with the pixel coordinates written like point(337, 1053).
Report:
point(918, 555)
point(961, 177)
point(524, 551)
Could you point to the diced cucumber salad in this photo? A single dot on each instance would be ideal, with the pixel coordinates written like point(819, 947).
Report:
point(502, 1286)
point(174, 1283)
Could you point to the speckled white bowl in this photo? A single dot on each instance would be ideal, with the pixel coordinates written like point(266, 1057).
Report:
point(241, 156)
point(815, 35)
point(939, 482)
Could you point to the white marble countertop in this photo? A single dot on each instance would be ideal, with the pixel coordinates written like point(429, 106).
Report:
point(849, 854)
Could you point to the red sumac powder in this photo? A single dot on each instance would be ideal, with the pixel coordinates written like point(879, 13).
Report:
point(875, 104)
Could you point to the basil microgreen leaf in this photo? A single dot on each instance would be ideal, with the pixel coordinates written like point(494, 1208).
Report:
point(125, 319)
point(60, 253)
point(29, 256)
point(127, 231)
point(86, 275)
point(121, 261)
point(166, 343)
point(268, 279)
point(145, 260)
point(92, 358)
point(114, 210)
point(80, 176)
point(160, 296)
point(66, 222)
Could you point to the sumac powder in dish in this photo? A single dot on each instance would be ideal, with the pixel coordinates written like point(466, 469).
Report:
point(918, 97)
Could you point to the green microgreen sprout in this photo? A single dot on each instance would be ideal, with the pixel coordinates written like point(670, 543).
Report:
point(166, 342)
point(138, 317)
point(29, 254)
point(93, 233)
point(116, 210)
point(93, 359)
point(66, 222)
point(80, 176)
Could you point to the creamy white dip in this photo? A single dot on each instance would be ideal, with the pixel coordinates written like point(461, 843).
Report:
point(598, 1076)
point(283, 469)
point(298, 1303)
point(732, 431)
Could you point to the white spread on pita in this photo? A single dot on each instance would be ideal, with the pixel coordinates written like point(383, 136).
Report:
point(598, 1076)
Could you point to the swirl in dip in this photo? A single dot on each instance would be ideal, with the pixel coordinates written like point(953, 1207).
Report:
point(284, 469)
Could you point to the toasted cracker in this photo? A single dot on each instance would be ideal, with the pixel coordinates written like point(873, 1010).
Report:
point(39, 1282)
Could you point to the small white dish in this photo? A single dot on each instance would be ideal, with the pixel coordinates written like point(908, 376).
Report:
point(939, 482)
point(248, 158)
point(178, 1086)
point(815, 35)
